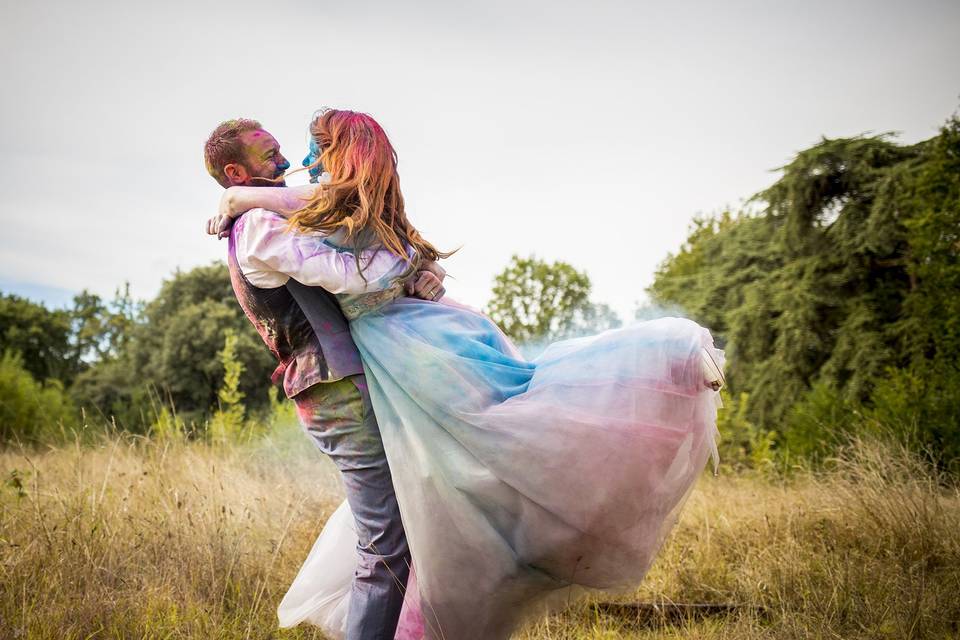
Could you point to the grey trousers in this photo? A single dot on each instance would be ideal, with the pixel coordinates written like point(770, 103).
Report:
point(339, 418)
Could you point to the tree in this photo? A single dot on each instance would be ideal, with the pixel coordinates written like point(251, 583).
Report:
point(42, 338)
point(536, 300)
point(102, 331)
point(844, 282)
point(173, 348)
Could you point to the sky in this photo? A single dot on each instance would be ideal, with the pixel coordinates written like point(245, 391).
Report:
point(591, 133)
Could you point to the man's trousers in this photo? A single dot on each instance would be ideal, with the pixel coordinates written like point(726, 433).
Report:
point(339, 417)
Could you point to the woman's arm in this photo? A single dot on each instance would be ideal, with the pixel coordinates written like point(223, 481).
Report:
point(237, 200)
point(282, 200)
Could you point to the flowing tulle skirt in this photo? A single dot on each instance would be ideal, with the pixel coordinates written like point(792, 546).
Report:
point(521, 483)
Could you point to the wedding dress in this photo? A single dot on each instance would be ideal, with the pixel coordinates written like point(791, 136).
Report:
point(521, 483)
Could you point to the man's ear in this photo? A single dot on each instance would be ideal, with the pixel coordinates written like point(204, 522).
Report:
point(236, 173)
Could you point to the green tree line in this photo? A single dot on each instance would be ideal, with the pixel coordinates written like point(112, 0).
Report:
point(189, 359)
point(836, 294)
point(126, 362)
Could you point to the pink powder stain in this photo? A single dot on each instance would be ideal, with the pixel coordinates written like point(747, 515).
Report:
point(412, 625)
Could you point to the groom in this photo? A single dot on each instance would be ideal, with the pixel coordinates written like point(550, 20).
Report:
point(319, 367)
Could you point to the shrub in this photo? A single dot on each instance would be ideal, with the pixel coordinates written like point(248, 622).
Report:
point(29, 410)
point(743, 445)
point(921, 410)
point(818, 425)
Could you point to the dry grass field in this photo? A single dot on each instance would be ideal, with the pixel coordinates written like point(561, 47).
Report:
point(139, 538)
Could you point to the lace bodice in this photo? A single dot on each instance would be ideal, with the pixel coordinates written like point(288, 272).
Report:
point(355, 305)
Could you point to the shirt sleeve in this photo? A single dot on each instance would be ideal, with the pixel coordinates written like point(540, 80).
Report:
point(271, 254)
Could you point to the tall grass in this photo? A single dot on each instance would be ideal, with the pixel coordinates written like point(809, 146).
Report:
point(157, 538)
point(167, 538)
point(869, 548)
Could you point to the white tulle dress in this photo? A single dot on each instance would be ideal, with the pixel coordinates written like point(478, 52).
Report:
point(521, 484)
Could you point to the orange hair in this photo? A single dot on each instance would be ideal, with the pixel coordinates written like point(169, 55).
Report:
point(363, 194)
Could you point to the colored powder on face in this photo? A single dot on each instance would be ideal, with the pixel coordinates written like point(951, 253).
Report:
point(312, 156)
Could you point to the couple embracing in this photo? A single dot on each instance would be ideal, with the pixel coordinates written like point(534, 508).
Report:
point(480, 486)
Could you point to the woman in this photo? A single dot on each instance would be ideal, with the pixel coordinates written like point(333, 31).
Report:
point(518, 481)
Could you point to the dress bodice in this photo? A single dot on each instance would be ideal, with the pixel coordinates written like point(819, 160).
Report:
point(379, 292)
point(355, 305)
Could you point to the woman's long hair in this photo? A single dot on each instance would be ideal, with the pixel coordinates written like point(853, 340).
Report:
point(363, 195)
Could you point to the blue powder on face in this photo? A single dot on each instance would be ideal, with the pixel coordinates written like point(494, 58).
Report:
point(312, 156)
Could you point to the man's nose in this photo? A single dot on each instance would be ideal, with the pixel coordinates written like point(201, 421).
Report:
point(284, 164)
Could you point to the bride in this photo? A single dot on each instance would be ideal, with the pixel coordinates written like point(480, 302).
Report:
point(520, 483)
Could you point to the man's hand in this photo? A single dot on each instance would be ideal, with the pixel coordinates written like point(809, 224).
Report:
point(428, 282)
point(435, 269)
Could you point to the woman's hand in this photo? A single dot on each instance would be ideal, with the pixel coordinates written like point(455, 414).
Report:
point(219, 225)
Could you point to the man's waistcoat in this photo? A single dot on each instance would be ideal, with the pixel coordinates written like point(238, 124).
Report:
point(303, 327)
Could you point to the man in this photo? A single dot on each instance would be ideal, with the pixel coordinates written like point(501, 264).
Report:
point(319, 365)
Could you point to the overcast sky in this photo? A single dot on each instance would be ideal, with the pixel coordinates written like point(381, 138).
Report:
point(590, 132)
